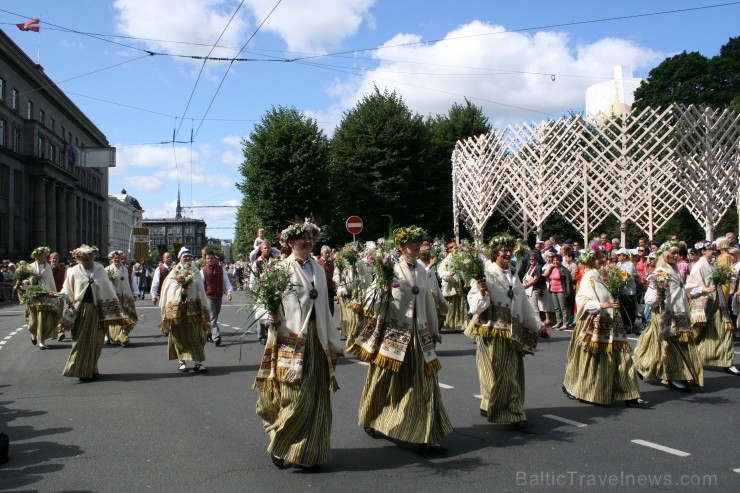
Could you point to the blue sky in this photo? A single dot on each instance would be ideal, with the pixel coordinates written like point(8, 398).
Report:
point(500, 55)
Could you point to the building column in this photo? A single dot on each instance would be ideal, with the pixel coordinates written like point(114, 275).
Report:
point(62, 242)
point(71, 219)
point(39, 211)
point(51, 222)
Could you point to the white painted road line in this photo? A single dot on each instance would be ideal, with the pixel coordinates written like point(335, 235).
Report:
point(478, 396)
point(360, 362)
point(565, 420)
point(445, 386)
point(8, 337)
point(2, 342)
point(736, 470)
point(661, 448)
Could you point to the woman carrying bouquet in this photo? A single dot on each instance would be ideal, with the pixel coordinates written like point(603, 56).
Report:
point(401, 398)
point(185, 315)
point(599, 367)
point(118, 275)
point(296, 376)
point(92, 305)
point(42, 313)
point(666, 349)
point(505, 327)
point(710, 318)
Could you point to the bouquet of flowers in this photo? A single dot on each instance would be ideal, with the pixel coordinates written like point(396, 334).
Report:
point(349, 254)
point(722, 274)
point(112, 272)
point(23, 272)
point(659, 280)
point(614, 279)
point(383, 260)
point(272, 282)
point(184, 276)
point(467, 262)
point(33, 294)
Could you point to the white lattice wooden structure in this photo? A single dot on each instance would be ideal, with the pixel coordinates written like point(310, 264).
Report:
point(641, 167)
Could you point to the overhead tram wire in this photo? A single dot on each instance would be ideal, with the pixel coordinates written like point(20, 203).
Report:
point(203, 65)
point(218, 89)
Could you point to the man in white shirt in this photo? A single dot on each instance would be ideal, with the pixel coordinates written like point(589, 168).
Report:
point(159, 274)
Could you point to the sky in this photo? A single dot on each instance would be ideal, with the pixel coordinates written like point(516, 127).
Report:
point(136, 69)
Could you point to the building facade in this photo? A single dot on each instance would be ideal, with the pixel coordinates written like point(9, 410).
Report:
point(46, 198)
point(176, 232)
point(124, 214)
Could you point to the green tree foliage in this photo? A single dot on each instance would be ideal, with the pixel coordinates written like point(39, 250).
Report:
point(379, 158)
point(692, 78)
point(285, 175)
point(460, 122)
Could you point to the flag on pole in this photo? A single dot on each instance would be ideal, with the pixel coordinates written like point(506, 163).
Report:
point(30, 25)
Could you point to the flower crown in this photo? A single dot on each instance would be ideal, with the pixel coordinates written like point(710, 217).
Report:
point(84, 250)
point(39, 250)
point(502, 239)
point(589, 254)
point(298, 229)
point(666, 246)
point(410, 234)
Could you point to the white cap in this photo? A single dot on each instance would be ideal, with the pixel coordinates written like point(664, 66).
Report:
point(183, 251)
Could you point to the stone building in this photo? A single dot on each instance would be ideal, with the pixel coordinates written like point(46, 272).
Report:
point(46, 196)
point(176, 232)
point(124, 214)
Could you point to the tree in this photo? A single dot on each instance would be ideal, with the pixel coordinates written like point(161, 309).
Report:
point(461, 122)
point(285, 175)
point(724, 73)
point(681, 79)
point(379, 154)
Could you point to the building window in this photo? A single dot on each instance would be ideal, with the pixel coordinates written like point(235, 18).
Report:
point(3, 130)
point(53, 125)
point(16, 139)
point(42, 147)
point(42, 117)
point(16, 97)
point(4, 181)
point(29, 110)
point(53, 153)
point(2, 89)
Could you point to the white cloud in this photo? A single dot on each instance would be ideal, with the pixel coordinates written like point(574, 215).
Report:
point(507, 73)
point(313, 26)
point(146, 184)
point(233, 156)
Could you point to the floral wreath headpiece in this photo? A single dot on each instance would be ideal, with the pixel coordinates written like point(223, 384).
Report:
point(39, 250)
point(298, 229)
point(410, 234)
point(85, 250)
point(666, 246)
point(502, 239)
point(588, 254)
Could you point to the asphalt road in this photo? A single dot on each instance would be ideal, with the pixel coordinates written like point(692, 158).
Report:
point(145, 427)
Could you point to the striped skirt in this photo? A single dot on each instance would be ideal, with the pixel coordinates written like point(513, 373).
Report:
point(87, 343)
point(187, 341)
point(356, 321)
point(501, 376)
point(714, 341)
point(457, 314)
point(599, 377)
point(343, 317)
point(405, 405)
point(119, 333)
point(42, 322)
point(297, 416)
point(666, 360)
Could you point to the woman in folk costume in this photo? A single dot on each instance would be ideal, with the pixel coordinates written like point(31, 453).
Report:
point(92, 305)
point(401, 397)
point(296, 377)
point(118, 275)
point(505, 327)
point(430, 264)
point(666, 349)
point(453, 289)
point(185, 315)
point(42, 313)
point(599, 367)
point(710, 319)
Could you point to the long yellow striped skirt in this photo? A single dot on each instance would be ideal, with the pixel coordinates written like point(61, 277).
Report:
point(187, 341)
point(87, 343)
point(405, 405)
point(343, 317)
point(599, 377)
point(714, 341)
point(356, 322)
point(297, 416)
point(457, 315)
point(42, 322)
point(665, 360)
point(501, 377)
point(119, 333)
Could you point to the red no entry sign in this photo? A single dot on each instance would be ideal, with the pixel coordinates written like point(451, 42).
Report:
point(354, 225)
